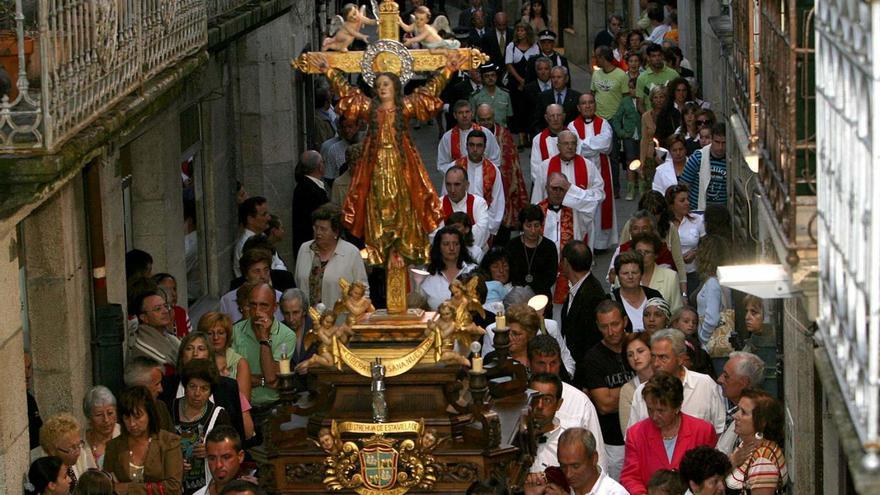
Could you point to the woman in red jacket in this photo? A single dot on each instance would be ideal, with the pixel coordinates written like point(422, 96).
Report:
point(661, 441)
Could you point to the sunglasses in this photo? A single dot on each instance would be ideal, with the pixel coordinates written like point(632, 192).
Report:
point(702, 122)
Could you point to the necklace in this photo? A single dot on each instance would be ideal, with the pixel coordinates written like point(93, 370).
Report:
point(529, 260)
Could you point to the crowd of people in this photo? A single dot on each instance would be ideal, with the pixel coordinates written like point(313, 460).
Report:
point(636, 389)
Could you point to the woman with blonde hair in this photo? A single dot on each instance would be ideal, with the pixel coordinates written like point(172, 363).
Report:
point(61, 436)
point(218, 327)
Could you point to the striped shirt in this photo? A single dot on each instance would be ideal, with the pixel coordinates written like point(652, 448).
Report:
point(764, 469)
point(716, 193)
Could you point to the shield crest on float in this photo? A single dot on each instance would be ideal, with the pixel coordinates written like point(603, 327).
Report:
point(378, 466)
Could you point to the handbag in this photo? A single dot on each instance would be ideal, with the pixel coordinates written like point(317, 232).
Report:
point(719, 343)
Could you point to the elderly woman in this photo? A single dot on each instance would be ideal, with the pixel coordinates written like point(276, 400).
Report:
point(522, 295)
point(226, 393)
point(322, 261)
point(60, 436)
point(704, 470)
point(637, 349)
point(195, 415)
point(496, 269)
point(660, 278)
point(661, 441)
point(764, 471)
point(448, 261)
point(48, 476)
point(143, 458)
point(711, 297)
point(632, 294)
point(99, 408)
point(523, 323)
point(218, 327)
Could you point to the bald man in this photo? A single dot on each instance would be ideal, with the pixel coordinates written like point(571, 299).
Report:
point(544, 143)
point(259, 339)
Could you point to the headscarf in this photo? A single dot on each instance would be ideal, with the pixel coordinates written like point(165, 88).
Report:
point(660, 303)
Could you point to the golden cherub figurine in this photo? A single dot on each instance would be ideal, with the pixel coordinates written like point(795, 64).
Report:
point(324, 330)
point(354, 301)
point(329, 440)
point(345, 28)
point(446, 331)
point(465, 299)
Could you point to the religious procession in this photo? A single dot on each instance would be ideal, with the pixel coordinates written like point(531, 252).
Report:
point(532, 247)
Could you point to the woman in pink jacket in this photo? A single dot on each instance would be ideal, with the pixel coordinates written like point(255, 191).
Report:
point(661, 441)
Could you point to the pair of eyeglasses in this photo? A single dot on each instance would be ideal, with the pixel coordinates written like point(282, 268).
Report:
point(71, 450)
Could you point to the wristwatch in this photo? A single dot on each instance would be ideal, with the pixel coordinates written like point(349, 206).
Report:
point(267, 343)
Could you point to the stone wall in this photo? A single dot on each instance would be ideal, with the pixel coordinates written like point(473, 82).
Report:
point(13, 412)
point(59, 300)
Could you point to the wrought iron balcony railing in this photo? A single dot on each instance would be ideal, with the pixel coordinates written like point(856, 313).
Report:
point(86, 56)
point(770, 84)
point(848, 148)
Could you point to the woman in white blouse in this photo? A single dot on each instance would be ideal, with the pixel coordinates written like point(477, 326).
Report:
point(516, 57)
point(690, 230)
point(448, 261)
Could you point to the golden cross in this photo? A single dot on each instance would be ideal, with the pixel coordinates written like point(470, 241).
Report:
point(388, 60)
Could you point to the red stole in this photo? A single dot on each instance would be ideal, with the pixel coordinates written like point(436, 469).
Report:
point(604, 169)
point(489, 175)
point(447, 208)
point(542, 143)
point(456, 140)
point(566, 235)
point(581, 178)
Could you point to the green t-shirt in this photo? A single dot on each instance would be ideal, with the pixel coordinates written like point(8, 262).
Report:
point(649, 79)
point(609, 89)
point(245, 343)
point(500, 103)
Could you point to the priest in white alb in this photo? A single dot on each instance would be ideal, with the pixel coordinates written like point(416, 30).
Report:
point(458, 199)
point(544, 146)
point(485, 178)
point(595, 137)
point(453, 144)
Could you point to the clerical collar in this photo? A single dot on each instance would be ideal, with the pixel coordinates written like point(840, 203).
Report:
point(475, 164)
point(555, 208)
point(588, 120)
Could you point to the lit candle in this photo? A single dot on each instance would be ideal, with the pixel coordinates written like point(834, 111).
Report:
point(476, 363)
point(500, 322)
point(284, 363)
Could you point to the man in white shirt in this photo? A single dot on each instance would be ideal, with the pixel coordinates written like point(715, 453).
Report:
point(484, 178)
point(458, 199)
point(702, 396)
point(253, 216)
point(576, 410)
point(544, 146)
point(453, 144)
point(543, 406)
point(577, 455)
point(594, 140)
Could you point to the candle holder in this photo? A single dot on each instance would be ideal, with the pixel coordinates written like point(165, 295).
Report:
point(501, 341)
point(287, 387)
point(478, 384)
